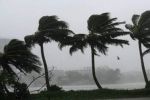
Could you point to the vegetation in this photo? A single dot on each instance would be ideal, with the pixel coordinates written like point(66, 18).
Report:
point(103, 31)
point(50, 28)
point(84, 77)
point(92, 94)
point(15, 54)
point(140, 30)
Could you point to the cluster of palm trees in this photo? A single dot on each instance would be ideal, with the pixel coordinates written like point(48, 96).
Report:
point(102, 32)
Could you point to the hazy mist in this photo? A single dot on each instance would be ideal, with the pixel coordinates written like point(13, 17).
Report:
point(20, 17)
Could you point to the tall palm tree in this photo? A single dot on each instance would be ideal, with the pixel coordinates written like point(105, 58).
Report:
point(102, 31)
point(140, 30)
point(17, 54)
point(107, 32)
point(50, 28)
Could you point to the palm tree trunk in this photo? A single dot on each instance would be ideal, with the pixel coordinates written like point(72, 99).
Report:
point(45, 68)
point(142, 63)
point(93, 69)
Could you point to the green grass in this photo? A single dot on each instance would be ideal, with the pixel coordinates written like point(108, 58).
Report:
point(91, 94)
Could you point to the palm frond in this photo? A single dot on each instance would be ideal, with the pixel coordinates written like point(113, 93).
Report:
point(116, 34)
point(73, 49)
point(95, 21)
point(67, 41)
point(78, 42)
point(101, 48)
point(146, 52)
point(108, 30)
point(103, 24)
point(109, 21)
point(57, 25)
point(110, 26)
point(145, 28)
point(51, 22)
point(147, 45)
point(16, 53)
point(129, 27)
point(144, 17)
point(145, 40)
point(58, 35)
point(29, 40)
point(116, 42)
point(45, 21)
point(135, 19)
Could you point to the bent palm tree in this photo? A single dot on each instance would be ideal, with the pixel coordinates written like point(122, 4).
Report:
point(81, 41)
point(50, 28)
point(140, 30)
point(107, 32)
point(16, 54)
point(102, 31)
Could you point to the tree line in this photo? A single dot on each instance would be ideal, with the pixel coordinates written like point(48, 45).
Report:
point(83, 77)
point(102, 32)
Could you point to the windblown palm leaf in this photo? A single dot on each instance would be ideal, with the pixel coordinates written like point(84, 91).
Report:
point(78, 42)
point(37, 38)
point(51, 22)
point(106, 28)
point(102, 24)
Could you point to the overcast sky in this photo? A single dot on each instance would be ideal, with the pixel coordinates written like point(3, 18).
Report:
point(20, 17)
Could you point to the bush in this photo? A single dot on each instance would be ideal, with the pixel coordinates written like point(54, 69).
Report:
point(55, 88)
point(21, 91)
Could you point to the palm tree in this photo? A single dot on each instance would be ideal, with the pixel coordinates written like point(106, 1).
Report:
point(140, 30)
point(50, 28)
point(81, 41)
point(102, 31)
point(107, 32)
point(16, 54)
